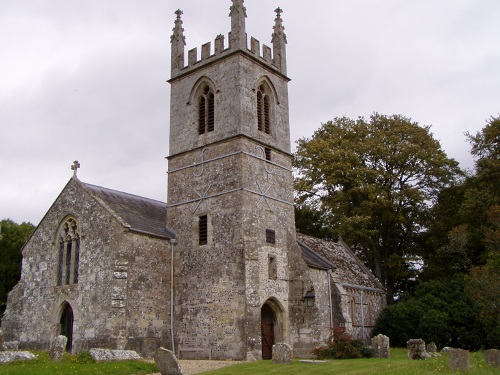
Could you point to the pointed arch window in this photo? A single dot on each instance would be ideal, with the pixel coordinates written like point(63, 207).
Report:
point(206, 111)
point(263, 110)
point(68, 253)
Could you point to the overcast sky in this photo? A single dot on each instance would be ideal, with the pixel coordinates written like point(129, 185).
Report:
point(86, 80)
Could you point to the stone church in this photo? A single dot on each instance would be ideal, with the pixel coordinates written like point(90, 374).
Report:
point(216, 272)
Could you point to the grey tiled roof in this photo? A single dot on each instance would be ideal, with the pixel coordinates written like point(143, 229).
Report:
point(139, 214)
point(349, 269)
point(313, 259)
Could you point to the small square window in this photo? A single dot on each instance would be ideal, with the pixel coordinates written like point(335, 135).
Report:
point(270, 236)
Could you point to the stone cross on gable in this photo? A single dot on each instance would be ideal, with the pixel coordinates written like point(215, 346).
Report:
point(75, 167)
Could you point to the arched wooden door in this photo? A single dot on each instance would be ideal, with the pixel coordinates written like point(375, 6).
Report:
point(268, 328)
point(67, 325)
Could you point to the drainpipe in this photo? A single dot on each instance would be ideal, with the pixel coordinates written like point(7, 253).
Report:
point(328, 275)
point(173, 242)
point(362, 317)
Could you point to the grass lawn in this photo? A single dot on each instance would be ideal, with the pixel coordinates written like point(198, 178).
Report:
point(75, 364)
point(397, 364)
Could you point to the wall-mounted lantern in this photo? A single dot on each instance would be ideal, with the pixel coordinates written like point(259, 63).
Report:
point(309, 297)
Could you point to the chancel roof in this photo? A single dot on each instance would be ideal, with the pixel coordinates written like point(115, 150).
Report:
point(139, 214)
point(348, 268)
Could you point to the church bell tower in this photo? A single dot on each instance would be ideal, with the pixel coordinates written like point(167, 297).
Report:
point(230, 192)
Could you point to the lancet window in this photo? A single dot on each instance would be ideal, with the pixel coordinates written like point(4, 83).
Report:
point(68, 253)
point(206, 111)
point(263, 110)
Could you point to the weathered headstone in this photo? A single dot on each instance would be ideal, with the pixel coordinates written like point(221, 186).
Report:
point(432, 348)
point(57, 347)
point(416, 349)
point(107, 355)
point(381, 346)
point(493, 357)
point(11, 345)
point(282, 353)
point(1, 341)
point(7, 357)
point(459, 359)
point(167, 363)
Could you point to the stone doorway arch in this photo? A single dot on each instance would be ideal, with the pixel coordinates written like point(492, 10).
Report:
point(66, 324)
point(271, 327)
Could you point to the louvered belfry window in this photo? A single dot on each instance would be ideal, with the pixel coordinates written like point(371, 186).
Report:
point(203, 230)
point(68, 253)
point(263, 110)
point(206, 111)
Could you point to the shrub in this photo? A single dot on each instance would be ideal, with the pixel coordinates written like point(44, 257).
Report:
point(342, 346)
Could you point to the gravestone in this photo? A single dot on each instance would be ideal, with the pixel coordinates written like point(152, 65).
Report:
point(493, 357)
point(11, 345)
point(7, 357)
point(459, 359)
point(432, 348)
point(167, 363)
point(282, 353)
point(57, 347)
point(380, 346)
point(1, 341)
point(107, 355)
point(416, 349)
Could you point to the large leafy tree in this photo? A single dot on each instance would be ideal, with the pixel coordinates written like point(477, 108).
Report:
point(12, 238)
point(372, 182)
point(466, 219)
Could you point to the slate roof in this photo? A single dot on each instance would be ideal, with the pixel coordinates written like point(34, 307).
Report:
point(349, 270)
point(139, 214)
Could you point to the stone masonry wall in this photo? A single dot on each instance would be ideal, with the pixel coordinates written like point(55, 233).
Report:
point(110, 262)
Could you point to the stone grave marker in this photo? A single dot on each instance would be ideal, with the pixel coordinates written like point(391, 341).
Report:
point(7, 357)
point(380, 346)
point(459, 359)
point(416, 349)
point(57, 347)
point(1, 341)
point(493, 357)
point(167, 363)
point(282, 353)
point(432, 348)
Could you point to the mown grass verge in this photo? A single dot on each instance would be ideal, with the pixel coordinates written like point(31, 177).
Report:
point(398, 364)
point(81, 364)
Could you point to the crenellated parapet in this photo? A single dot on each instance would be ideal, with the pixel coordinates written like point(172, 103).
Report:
point(273, 57)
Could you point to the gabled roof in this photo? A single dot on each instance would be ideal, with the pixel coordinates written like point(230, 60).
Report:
point(348, 268)
point(313, 259)
point(138, 214)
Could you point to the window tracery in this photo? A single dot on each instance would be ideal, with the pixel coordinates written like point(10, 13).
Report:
point(206, 111)
point(263, 109)
point(68, 253)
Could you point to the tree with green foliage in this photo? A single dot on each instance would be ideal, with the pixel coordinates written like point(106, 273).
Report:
point(373, 182)
point(439, 311)
point(12, 238)
point(466, 219)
